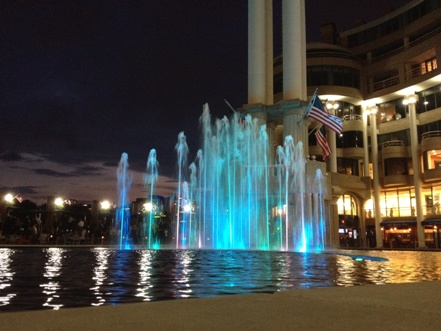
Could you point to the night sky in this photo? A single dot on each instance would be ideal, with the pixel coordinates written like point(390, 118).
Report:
point(83, 81)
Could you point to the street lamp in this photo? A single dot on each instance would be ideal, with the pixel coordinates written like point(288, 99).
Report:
point(105, 205)
point(58, 202)
point(9, 198)
point(148, 206)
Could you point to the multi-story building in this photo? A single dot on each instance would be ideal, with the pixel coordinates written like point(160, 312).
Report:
point(383, 80)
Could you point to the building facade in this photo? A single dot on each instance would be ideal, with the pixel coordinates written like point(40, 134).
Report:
point(383, 80)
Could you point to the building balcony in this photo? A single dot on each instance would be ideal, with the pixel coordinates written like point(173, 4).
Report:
point(352, 117)
point(343, 183)
point(432, 175)
point(356, 153)
point(430, 140)
point(393, 149)
point(397, 180)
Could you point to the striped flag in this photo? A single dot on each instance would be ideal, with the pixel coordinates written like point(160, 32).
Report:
point(322, 141)
point(318, 112)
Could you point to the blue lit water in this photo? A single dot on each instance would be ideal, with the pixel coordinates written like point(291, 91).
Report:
point(54, 278)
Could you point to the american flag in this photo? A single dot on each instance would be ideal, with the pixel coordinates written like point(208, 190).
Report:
point(322, 141)
point(318, 112)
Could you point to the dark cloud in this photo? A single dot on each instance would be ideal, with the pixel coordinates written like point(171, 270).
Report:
point(22, 190)
point(10, 156)
point(53, 173)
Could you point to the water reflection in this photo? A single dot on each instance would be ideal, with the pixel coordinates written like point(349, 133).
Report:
point(60, 278)
point(6, 275)
point(52, 272)
point(100, 274)
point(183, 274)
point(145, 275)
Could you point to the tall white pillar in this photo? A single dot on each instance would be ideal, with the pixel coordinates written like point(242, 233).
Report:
point(303, 50)
point(333, 144)
point(376, 179)
point(294, 49)
point(365, 143)
point(270, 128)
point(416, 165)
point(269, 56)
point(256, 52)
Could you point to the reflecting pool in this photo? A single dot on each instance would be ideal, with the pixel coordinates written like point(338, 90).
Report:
point(54, 278)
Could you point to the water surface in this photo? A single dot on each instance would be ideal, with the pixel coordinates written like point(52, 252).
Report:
point(54, 278)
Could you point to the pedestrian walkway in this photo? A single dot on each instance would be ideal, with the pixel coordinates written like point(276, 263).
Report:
point(411, 306)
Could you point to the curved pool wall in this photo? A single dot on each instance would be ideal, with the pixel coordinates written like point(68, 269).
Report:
point(55, 278)
point(232, 196)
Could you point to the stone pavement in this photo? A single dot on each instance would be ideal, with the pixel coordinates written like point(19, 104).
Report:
point(410, 306)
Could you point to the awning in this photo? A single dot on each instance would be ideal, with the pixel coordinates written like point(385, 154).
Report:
point(406, 222)
point(431, 221)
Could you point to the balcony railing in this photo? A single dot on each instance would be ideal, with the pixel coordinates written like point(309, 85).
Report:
point(411, 44)
point(392, 143)
point(430, 134)
point(382, 84)
point(352, 117)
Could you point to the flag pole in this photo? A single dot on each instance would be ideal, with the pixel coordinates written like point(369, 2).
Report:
point(317, 127)
point(308, 108)
point(231, 107)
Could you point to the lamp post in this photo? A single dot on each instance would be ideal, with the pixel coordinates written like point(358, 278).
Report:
point(410, 101)
point(9, 198)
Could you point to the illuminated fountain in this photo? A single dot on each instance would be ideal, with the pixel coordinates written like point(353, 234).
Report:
point(122, 217)
point(232, 196)
point(150, 179)
point(235, 198)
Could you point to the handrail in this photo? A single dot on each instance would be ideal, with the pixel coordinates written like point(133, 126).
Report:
point(431, 134)
point(392, 143)
point(352, 117)
point(401, 48)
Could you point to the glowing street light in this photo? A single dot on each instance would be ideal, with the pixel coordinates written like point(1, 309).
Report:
point(187, 208)
point(148, 206)
point(9, 197)
point(105, 205)
point(59, 202)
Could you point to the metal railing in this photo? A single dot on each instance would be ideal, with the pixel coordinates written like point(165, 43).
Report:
point(392, 143)
point(430, 134)
point(352, 117)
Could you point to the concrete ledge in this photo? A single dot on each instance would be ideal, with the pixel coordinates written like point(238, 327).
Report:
point(410, 306)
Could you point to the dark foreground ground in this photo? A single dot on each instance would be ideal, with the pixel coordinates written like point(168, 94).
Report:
point(411, 306)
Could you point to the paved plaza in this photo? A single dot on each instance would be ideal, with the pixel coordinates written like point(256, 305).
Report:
point(410, 306)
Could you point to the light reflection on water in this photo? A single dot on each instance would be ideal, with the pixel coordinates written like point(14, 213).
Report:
point(52, 272)
point(54, 278)
point(6, 276)
point(100, 275)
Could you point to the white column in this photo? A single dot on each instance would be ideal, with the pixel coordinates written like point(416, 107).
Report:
point(365, 143)
point(333, 156)
point(270, 132)
point(269, 56)
point(303, 50)
point(294, 49)
point(411, 100)
point(376, 179)
point(256, 52)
